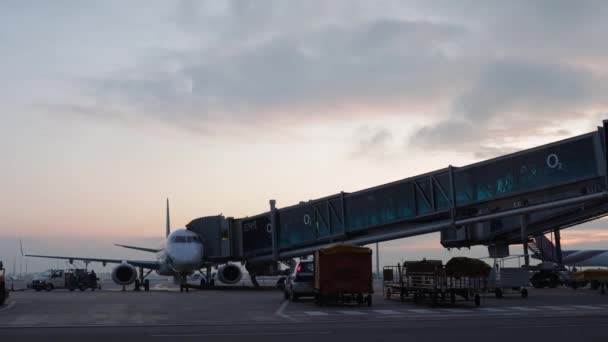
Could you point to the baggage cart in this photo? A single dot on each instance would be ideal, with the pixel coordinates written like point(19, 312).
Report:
point(508, 280)
point(429, 280)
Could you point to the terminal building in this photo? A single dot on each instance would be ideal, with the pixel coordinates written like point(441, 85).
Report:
point(496, 203)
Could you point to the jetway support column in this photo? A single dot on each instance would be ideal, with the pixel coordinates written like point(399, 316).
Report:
point(274, 230)
point(523, 219)
point(558, 245)
point(378, 259)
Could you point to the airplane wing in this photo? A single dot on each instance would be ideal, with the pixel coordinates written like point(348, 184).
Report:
point(151, 250)
point(153, 265)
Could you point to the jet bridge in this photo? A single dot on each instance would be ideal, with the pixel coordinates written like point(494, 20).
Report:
point(496, 203)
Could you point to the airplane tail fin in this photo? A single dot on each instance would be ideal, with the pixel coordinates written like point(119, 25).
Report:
point(168, 231)
point(543, 249)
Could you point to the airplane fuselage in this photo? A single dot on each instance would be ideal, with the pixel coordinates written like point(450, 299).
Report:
point(181, 254)
point(586, 258)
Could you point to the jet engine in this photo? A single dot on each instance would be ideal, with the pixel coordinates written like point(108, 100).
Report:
point(124, 274)
point(229, 274)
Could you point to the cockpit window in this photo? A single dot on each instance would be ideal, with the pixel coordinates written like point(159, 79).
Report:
point(185, 239)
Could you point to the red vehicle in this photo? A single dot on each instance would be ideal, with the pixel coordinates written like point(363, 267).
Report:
point(343, 274)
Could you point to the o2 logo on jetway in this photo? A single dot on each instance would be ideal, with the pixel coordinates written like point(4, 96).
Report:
point(307, 220)
point(553, 161)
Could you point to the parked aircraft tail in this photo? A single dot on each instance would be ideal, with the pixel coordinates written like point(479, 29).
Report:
point(168, 231)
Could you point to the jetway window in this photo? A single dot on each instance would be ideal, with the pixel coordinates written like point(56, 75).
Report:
point(552, 165)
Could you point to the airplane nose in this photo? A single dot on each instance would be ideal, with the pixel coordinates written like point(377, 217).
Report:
point(186, 260)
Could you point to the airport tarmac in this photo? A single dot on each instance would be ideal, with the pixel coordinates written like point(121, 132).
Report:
point(264, 314)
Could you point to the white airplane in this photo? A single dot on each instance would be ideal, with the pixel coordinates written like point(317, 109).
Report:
point(544, 249)
point(181, 255)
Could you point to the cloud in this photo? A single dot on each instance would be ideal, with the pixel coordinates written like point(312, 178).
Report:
point(512, 99)
point(476, 75)
point(294, 76)
point(578, 236)
point(372, 142)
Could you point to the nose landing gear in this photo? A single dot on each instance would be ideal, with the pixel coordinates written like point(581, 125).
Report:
point(184, 284)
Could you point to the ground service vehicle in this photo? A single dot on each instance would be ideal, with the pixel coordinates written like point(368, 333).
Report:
point(299, 283)
point(343, 274)
point(598, 278)
point(3, 288)
point(65, 279)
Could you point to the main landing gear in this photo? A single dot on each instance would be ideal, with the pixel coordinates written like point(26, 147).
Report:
point(142, 280)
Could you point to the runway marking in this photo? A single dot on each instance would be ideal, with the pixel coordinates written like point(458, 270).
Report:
point(352, 313)
point(523, 308)
point(491, 310)
point(586, 307)
point(387, 312)
point(456, 310)
point(280, 310)
point(316, 313)
point(422, 311)
point(552, 307)
point(246, 334)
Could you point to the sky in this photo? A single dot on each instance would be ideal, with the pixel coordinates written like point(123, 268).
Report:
point(109, 107)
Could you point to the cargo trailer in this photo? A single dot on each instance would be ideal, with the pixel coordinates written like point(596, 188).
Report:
point(343, 274)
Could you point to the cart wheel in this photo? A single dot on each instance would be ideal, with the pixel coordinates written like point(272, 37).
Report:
point(524, 293)
point(369, 300)
point(416, 298)
point(498, 293)
point(477, 300)
point(407, 294)
point(452, 296)
point(434, 299)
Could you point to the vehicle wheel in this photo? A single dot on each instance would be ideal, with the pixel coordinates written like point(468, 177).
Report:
point(72, 289)
point(369, 300)
point(147, 285)
point(524, 293)
point(38, 289)
point(49, 287)
point(595, 285)
point(93, 289)
point(292, 296)
point(452, 297)
point(498, 293)
point(477, 300)
point(82, 288)
point(537, 285)
point(181, 288)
